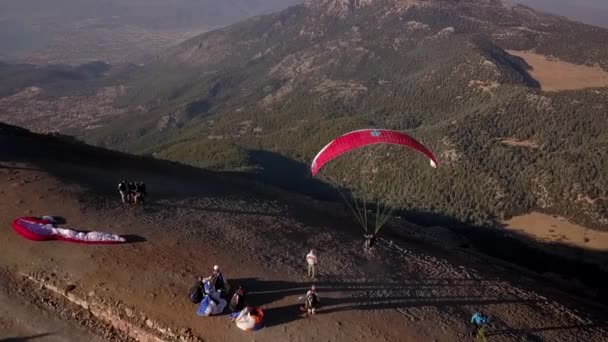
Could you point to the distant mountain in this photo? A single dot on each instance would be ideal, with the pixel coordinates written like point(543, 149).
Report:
point(151, 13)
point(79, 31)
point(272, 90)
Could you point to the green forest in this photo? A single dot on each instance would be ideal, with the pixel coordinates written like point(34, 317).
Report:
point(285, 84)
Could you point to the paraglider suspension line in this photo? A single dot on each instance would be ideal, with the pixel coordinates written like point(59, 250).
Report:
point(359, 210)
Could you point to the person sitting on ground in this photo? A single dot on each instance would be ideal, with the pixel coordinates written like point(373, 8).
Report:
point(311, 261)
point(478, 321)
point(122, 188)
point(237, 303)
point(312, 299)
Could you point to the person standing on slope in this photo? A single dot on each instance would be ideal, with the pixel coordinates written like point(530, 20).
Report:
point(311, 261)
point(140, 192)
point(478, 321)
point(124, 194)
point(142, 189)
point(132, 189)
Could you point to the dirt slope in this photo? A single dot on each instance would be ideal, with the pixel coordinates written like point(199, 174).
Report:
point(407, 291)
point(556, 75)
point(24, 321)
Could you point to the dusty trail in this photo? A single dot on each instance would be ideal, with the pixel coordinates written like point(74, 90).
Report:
point(23, 321)
point(404, 292)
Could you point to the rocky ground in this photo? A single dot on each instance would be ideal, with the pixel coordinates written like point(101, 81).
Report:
point(407, 290)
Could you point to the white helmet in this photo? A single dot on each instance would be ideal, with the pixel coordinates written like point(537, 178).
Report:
point(216, 268)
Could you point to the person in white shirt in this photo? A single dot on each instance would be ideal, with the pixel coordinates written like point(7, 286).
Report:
point(311, 261)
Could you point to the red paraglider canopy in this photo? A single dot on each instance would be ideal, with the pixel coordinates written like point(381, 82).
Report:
point(356, 139)
point(40, 229)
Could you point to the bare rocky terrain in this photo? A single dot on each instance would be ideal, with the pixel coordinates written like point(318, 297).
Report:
point(414, 286)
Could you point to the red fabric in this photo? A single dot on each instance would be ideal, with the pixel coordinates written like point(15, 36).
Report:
point(356, 139)
point(28, 234)
point(22, 230)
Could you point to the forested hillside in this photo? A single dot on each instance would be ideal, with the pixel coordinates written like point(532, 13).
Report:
point(289, 82)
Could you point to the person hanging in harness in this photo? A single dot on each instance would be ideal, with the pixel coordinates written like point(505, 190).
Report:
point(124, 194)
point(370, 241)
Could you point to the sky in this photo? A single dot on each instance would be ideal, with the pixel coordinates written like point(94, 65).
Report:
point(594, 12)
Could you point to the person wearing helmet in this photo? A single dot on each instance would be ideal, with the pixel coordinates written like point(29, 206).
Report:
point(312, 299)
point(218, 278)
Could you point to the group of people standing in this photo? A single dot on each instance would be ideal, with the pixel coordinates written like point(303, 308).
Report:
point(132, 192)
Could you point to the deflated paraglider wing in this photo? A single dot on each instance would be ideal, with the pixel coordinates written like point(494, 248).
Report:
point(356, 139)
point(37, 229)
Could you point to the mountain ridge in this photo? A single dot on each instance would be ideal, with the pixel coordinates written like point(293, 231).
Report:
point(287, 83)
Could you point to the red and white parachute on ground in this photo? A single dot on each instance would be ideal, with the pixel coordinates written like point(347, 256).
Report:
point(364, 137)
point(43, 229)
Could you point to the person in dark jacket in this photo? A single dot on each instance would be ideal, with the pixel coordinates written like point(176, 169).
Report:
point(370, 241)
point(219, 282)
point(237, 302)
point(124, 194)
point(140, 192)
point(132, 189)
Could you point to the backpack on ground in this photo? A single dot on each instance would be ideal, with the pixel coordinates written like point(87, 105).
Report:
point(196, 293)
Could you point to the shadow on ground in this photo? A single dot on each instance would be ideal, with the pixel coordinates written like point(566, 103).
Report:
point(338, 296)
point(25, 338)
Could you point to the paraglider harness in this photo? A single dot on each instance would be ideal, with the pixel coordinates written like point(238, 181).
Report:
point(202, 288)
